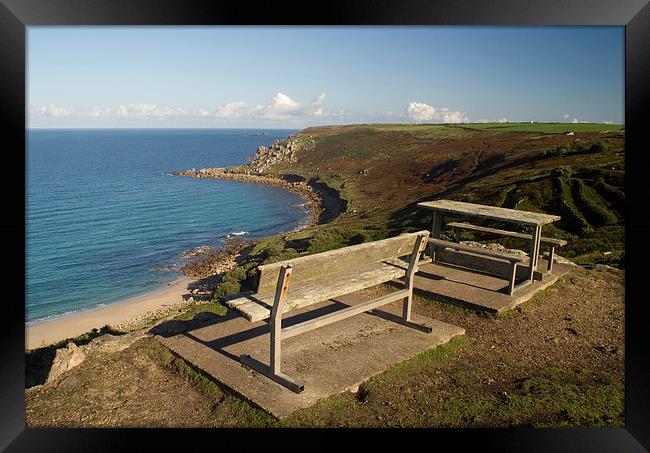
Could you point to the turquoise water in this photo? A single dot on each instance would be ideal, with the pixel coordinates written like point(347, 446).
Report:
point(103, 211)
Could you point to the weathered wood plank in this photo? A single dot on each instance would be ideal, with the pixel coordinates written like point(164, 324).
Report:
point(479, 250)
point(324, 320)
point(490, 212)
point(480, 263)
point(256, 307)
point(469, 226)
point(351, 258)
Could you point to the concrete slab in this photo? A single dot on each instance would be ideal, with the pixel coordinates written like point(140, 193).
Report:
point(330, 360)
point(479, 291)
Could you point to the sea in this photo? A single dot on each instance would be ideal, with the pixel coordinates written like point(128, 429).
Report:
point(106, 219)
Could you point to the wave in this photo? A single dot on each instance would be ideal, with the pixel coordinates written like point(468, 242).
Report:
point(51, 317)
point(237, 233)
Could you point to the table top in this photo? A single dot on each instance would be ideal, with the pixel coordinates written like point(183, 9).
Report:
point(490, 212)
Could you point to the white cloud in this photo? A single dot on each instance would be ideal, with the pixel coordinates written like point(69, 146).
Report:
point(500, 120)
point(316, 105)
point(229, 110)
point(280, 107)
point(48, 111)
point(130, 111)
point(572, 119)
point(454, 117)
point(319, 100)
point(419, 111)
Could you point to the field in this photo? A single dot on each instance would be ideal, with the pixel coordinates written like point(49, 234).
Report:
point(547, 128)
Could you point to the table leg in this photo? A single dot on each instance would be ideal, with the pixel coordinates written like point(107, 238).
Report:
point(435, 232)
point(534, 251)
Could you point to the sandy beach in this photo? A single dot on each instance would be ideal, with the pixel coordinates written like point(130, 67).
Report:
point(52, 331)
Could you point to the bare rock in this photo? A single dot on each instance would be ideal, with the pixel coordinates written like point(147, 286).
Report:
point(113, 343)
point(494, 247)
point(65, 359)
point(516, 252)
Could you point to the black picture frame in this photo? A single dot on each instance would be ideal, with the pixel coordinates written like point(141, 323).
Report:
point(634, 15)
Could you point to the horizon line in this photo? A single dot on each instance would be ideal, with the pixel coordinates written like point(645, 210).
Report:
point(332, 125)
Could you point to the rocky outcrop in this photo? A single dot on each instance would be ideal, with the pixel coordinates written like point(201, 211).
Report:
point(280, 151)
point(205, 261)
point(72, 355)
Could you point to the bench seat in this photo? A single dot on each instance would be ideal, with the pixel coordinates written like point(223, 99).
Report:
point(552, 242)
point(513, 259)
point(481, 251)
point(257, 306)
point(482, 229)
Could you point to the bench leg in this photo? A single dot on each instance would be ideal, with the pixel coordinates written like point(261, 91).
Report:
point(274, 371)
point(534, 251)
point(420, 244)
point(435, 232)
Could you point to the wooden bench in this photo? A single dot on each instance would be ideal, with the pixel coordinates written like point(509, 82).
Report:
point(514, 260)
point(550, 241)
point(323, 276)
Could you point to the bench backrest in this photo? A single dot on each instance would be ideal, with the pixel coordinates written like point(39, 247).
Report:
point(312, 267)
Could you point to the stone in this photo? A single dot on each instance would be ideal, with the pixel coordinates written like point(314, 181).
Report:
point(113, 343)
point(64, 360)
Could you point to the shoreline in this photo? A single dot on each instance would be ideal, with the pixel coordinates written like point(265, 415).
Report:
point(127, 311)
point(304, 190)
point(324, 205)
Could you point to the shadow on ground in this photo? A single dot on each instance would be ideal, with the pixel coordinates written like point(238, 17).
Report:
point(38, 362)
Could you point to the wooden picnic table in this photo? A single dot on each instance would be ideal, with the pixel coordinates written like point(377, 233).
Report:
point(533, 220)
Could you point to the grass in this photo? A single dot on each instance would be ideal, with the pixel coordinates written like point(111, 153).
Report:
point(338, 410)
point(238, 410)
point(38, 361)
point(546, 128)
point(211, 307)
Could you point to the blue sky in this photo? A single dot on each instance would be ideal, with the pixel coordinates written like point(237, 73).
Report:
point(293, 77)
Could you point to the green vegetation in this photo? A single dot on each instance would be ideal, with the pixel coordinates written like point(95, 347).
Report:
point(610, 193)
point(38, 361)
point(194, 309)
point(597, 213)
point(572, 220)
point(443, 131)
point(576, 147)
point(546, 128)
point(227, 405)
point(548, 397)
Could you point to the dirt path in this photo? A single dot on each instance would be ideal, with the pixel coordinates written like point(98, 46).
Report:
point(477, 158)
point(558, 360)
